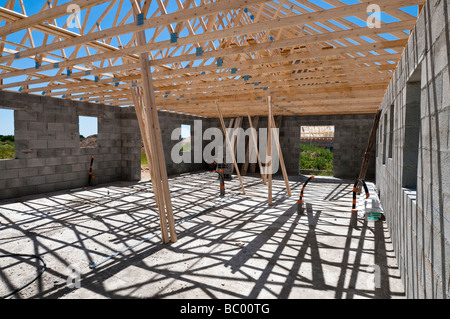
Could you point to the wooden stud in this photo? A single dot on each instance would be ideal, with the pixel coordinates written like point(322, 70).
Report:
point(255, 147)
point(269, 153)
point(280, 155)
point(159, 180)
point(230, 147)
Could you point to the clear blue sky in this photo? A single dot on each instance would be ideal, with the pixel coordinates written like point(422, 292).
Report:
point(88, 125)
point(6, 122)
point(34, 6)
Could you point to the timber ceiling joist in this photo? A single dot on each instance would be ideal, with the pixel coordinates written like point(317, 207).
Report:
point(310, 56)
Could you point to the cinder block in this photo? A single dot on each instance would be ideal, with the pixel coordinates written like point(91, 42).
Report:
point(14, 163)
point(71, 127)
point(71, 144)
point(57, 143)
point(66, 118)
point(26, 116)
point(35, 162)
point(45, 188)
point(46, 117)
point(54, 178)
point(46, 170)
point(53, 161)
point(26, 153)
point(20, 126)
point(38, 144)
point(37, 126)
point(25, 135)
point(35, 180)
point(10, 174)
point(80, 167)
point(63, 169)
point(9, 193)
point(56, 127)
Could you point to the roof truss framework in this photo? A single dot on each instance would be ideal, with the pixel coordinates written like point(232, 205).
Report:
point(311, 57)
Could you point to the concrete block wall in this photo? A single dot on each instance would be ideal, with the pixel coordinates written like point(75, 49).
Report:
point(168, 123)
point(48, 155)
point(419, 217)
point(350, 141)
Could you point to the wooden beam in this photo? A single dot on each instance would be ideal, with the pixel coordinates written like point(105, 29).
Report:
point(230, 147)
point(280, 154)
point(48, 15)
point(255, 145)
point(370, 144)
point(269, 153)
point(160, 179)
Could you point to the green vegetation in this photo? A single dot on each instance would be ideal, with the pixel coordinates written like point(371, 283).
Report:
point(144, 159)
point(7, 149)
point(186, 147)
point(316, 158)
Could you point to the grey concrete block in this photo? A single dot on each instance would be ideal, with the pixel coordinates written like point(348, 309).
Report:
point(9, 174)
point(56, 127)
point(46, 170)
point(9, 193)
point(26, 116)
point(54, 178)
point(63, 169)
point(57, 143)
point(35, 180)
point(14, 163)
point(25, 135)
point(37, 126)
point(35, 162)
point(53, 161)
point(26, 153)
point(38, 144)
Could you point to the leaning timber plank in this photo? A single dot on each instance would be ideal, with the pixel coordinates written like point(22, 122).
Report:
point(230, 147)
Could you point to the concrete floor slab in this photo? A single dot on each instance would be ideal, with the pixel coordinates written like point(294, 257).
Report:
point(240, 248)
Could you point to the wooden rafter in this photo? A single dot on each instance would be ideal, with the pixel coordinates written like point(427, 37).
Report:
point(310, 60)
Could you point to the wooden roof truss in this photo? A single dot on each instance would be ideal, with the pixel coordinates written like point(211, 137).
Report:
point(309, 59)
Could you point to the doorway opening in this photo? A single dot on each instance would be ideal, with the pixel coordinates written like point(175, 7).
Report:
point(316, 150)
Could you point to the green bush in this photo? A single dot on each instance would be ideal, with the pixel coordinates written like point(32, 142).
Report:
point(7, 149)
point(314, 157)
point(6, 138)
point(144, 159)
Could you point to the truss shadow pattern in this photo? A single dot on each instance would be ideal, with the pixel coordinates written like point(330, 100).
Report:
point(240, 249)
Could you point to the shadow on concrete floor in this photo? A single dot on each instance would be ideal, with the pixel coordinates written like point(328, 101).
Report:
point(241, 248)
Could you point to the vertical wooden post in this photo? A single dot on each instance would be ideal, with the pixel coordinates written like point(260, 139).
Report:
point(230, 147)
point(159, 178)
point(255, 144)
point(269, 153)
point(371, 142)
point(280, 155)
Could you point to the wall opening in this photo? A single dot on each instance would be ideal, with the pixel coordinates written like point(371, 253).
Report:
point(316, 150)
point(384, 138)
point(7, 138)
point(391, 131)
point(88, 130)
point(185, 138)
point(412, 132)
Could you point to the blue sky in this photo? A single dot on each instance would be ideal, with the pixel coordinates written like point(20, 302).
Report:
point(34, 6)
point(88, 125)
